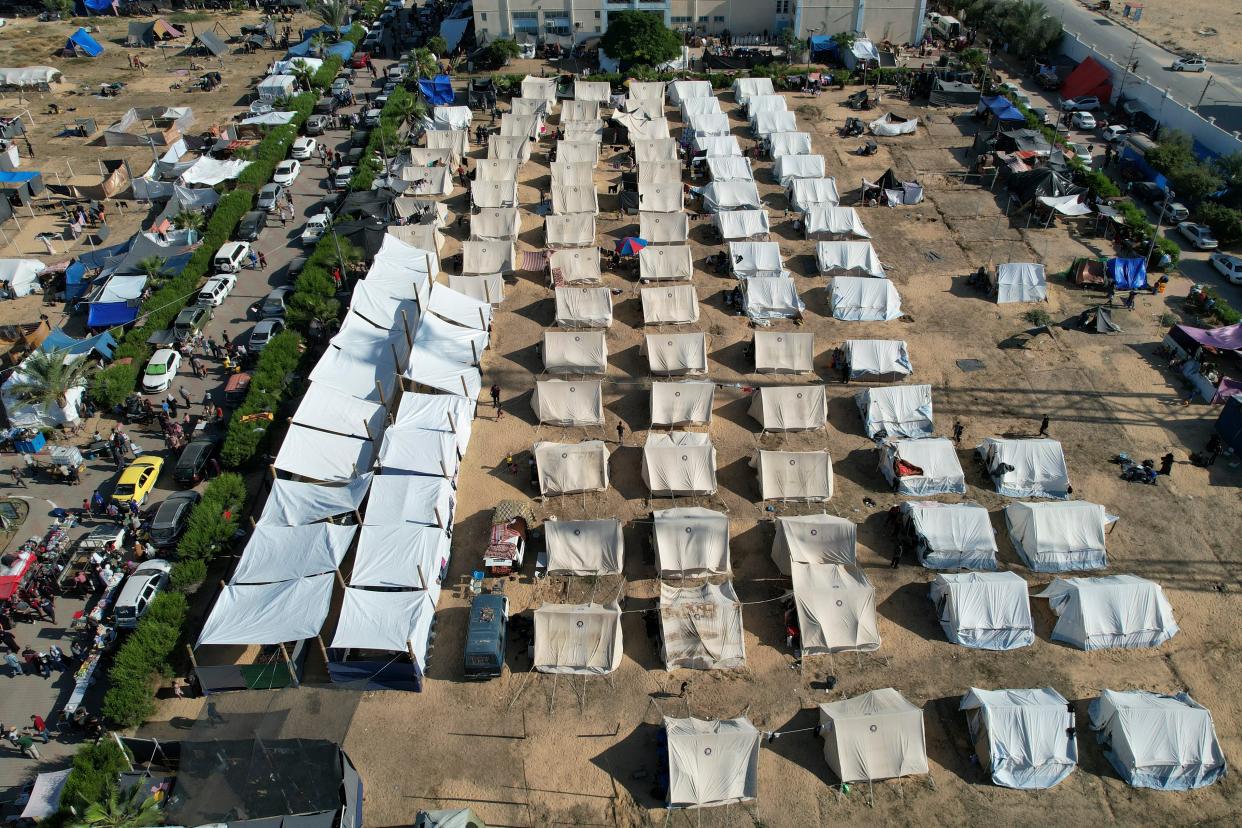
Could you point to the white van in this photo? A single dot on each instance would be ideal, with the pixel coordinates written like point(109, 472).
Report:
point(231, 257)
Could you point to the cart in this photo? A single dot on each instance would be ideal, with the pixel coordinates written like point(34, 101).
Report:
point(506, 547)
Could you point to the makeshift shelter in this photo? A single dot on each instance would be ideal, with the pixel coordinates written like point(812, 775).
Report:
point(777, 352)
point(711, 762)
point(999, 107)
point(1127, 274)
point(790, 167)
point(790, 408)
point(488, 257)
point(569, 403)
point(583, 307)
point(413, 450)
point(1058, 537)
point(730, 168)
point(896, 411)
point(268, 614)
point(575, 352)
point(878, 735)
point(276, 86)
point(1023, 282)
point(702, 627)
point(577, 230)
point(209, 42)
point(794, 475)
point(951, 535)
point(670, 305)
point(437, 91)
point(831, 220)
point(891, 191)
point(861, 51)
point(575, 266)
point(376, 632)
point(863, 299)
point(1041, 181)
point(984, 610)
point(771, 297)
point(1026, 468)
point(1088, 78)
point(691, 541)
point(681, 403)
point(20, 277)
point(329, 409)
point(676, 354)
point(814, 540)
point(953, 93)
point(665, 262)
point(498, 224)
point(735, 225)
point(1158, 741)
point(1024, 738)
point(848, 257)
point(81, 44)
point(1110, 612)
point(922, 467)
point(44, 800)
point(569, 468)
point(577, 639)
point(404, 499)
point(836, 609)
point(877, 360)
point(713, 146)
point(679, 464)
point(292, 503)
point(730, 195)
point(146, 33)
point(891, 124)
point(584, 547)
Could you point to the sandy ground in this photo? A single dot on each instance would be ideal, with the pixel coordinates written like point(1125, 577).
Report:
point(1204, 27)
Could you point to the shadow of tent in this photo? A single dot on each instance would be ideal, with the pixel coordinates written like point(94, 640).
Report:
point(628, 312)
point(521, 407)
point(542, 311)
point(948, 740)
point(639, 646)
point(750, 551)
point(737, 411)
point(805, 750)
point(739, 478)
point(530, 357)
point(1091, 758)
point(859, 467)
point(909, 607)
point(625, 473)
point(632, 407)
point(738, 357)
point(635, 764)
point(631, 361)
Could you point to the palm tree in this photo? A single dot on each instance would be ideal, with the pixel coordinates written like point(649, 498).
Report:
point(312, 312)
point(319, 42)
point(301, 70)
point(46, 378)
point(189, 220)
point(153, 267)
point(126, 810)
point(333, 13)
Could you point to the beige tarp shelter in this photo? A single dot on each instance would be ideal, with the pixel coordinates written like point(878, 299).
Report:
point(659, 172)
point(665, 262)
point(529, 106)
point(642, 126)
point(584, 547)
point(679, 464)
point(526, 126)
point(573, 173)
point(790, 408)
point(423, 157)
point(699, 106)
point(794, 475)
point(788, 143)
point(712, 762)
point(598, 91)
point(663, 228)
point(488, 287)
point(569, 402)
point(660, 197)
point(660, 149)
point(691, 541)
point(730, 168)
point(878, 735)
point(456, 141)
point(576, 266)
point(508, 147)
point(681, 403)
point(583, 307)
point(836, 609)
point(702, 627)
point(496, 169)
point(568, 468)
point(579, 110)
point(677, 354)
point(670, 305)
point(575, 352)
point(878, 360)
point(647, 91)
point(499, 224)
point(577, 230)
point(488, 257)
point(778, 352)
point(574, 198)
point(814, 540)
point(540, 89)
point(494, 194)
point(577, 639)
point(577, 151)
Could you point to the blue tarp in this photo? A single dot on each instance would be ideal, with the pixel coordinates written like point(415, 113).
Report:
point(1131, 158)
point(823, 43)
point(438, 92)
point(344, 49)
point(75, 280)
point(81, 41)
point(1002, 108)
point(58, 340)
point(1127, 274)
point(107, 314)
point(298, 50)
point(100, 5)
point(17, 177)
point(452, 31)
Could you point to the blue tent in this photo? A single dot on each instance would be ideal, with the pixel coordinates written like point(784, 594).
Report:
point(1127, 274)
point(75, 280)
point(58, 340)
point(107, 314)
point(1002, 108)
point(1131, 158)
point(98, 6)
point(298, 50)
point(823, 43)
point(438, 91)
point(81, 41)
point(452, 30)
point(344, 50)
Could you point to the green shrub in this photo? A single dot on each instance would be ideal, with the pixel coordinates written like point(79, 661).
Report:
point(1226, 222)
point(142, 658)
point(187, 573)
point(96, 768)
point(1222, 310)
point(1169, 248)
point(214, 520)
point(268, 383)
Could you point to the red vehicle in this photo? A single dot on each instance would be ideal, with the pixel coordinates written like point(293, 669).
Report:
point(360, 60)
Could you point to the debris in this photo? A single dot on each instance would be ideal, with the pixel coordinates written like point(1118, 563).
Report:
point(969, 365)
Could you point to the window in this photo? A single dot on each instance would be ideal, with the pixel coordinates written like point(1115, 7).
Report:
point(556, 24)
point(597, 18)
point(526, 22)
point(718, 18)
point(703, 19)
point(482, 15)
point(782, 6)
point(677, 20)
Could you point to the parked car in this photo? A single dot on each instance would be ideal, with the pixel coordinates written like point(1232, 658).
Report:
point(287, 172)
point(360, 60)
point(263, 333)
point(1228, 266)
point(1086, 103)
point(138, 479)
point(327, 106)
point(1189, 64)
point(303, 148)
point(192, 463)
point(160, 371)
point(372, 117)
point(359, 137)
point(273, 305)
point(1154, 194)
point(486, 635)
point(170, 518)
point(251, 225)
point(1199, 235)
point(295, 266)
point(216, 289)
point(316, 124)
point(394, 71)
point(231, 257)
point(1115, 134)
point(190, 321)
point(339, 85)
point(142, 585)
point(1083, 120)
point(269, 196)
point(343, 174)
point(315, 227)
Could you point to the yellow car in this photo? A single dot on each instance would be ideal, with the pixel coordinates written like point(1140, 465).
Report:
point(138, 479)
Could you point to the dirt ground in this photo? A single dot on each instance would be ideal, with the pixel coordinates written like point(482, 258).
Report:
point(1204, 27)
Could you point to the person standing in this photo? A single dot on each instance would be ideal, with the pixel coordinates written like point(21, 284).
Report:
point(17, 477)
point(14, 663)
point(958, 428)
point(1043, 426)
point(262, 260)
point(496, 397)
point(40, 727)
point(1166, 464)
point(620, 433)
point(172, 404)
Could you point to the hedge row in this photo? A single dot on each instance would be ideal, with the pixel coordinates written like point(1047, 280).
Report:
point(211, 526)
point(384, 140)
point(269, 383)
point(96, 767)
point(142, 657)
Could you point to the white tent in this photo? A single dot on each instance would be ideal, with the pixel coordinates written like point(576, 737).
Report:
point(20, 276)
point(863, 299)
point(570, 231)
point(730, 168)
point(328, 409)
point(794, 475)
point(403, 499)
point(691, 541)
point(814, 540)
point(449, 413)
point(756, 258)
point(765, 103)
point(1023, 738)
point(578, 173)
point(412, 450)
point(805, 193)
point(766, 123)
point(699, 106)
point(922, 467)
point(676, 354)
point(44, 800)
point(702, 627)
point(663, 197)
point(584, 547)
point(665, 262)
point(582, 132)
point(878, 735)
point(788, 143)
point(583, 307)
point(771, 297)
point(294, 503)
point(453, 342)
point(790, 407)
point(569, 402)
point(681, 90)
point(450, 117)
point(497, 169)
point(576, 266)
point(641, 126)
point(577, 639)
point(647, 91)
point(488, 256)
point(530, 106)
point(489, 287)
point(490, 194)
point(575, 352)
point(1058, 537)
point(663, 228)
point(428, 368)
point(861, 50)
point(268, 614)
point(730, 195)
point(540, 89)
point(394, 622)
point(657, 149)
point(456, 141)
point(1023, 282)
point(893, 124)
point(777, 352)
point(425, 181)
point(320, 455)
point(600, 91)
point(1111, 612)
point(853, 257)
point(498, 224)
point(521, 126)
point(984, 610)
point(881, 360)
point(577, 152)
point(836, 609)
point(788, 168)
point(407, 556)
point(569, 468)
point(952, 535)
point(1026, 468)
point(574, 198)
point(717, 145)
point(896, 410)
point(355, 374)
point(504, 147)
point(276, 86)
point(745, 88)
point(679, 464)
point(741, 224)
point(708, 124)
point(1158, 741)
point(681, 403)
point(670, 305)
point(283, 553)
point(711, 762)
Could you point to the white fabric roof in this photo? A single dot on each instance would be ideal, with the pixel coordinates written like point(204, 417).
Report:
point(577, 265)
point(669, 305)
point(569, 402)
point(832, 219)
point(660, 197)
point(730, 168)
point(1021, 282)
point(789, 408)
point(328, 409)
point(1067, 205)
point(665, 262)
point(899, 410)
point(789, 143)
point(577, 151)
point(1027, 736)
point(691, 541)
point(45, 795)
point(398, 622)
point(584, 547)
point(663, 228)
point(574, 198)
point(392, 556)
point(765, 103)
point(568, 468)
point(717, 145)
point(294, 503)
point(402, 499)
point(427, 367)
point(580, 173)
point(655, 149)
point(702, 627)
point(711, 762)
point(753, 258)
point(878, 735)
point(571, 231)
point(682, 90)
point(766, 123)
point(579, 639)
point(679, 464)
point(815, 540)
point(488, 256)
point(676, 354)
point(318, 455)
point(699, 106)
point(360, 341)
point(500, 223)
point(488, 287)
point(984, 610)
point(503, 146)
point(953, 535)
point(790, 167)
point(1158, 741)
point(583, 307)
point(412, 450)
point(542, 89)
point(716, 123)
point(210, 172)
point(848, 257)
point(1056, 537)
point(730, 195)
point(20, 275)
point(1115, 611)
point(783, 353)
point(893, 124)
point(745, 88)
point(771, 297)
point(741, 224)
point(681, 403)
point(1026, 468)
point(794, 475)
point(453, 342)
point(878, 358)
point(803, 193)
point(268, 614)
point(377, 304)
point(575, 352)
point(450, 117)
point(283, 553)
point(836, 609)
point(659, 172)
point(489, 194)
point(923, 467)
point(863, 299)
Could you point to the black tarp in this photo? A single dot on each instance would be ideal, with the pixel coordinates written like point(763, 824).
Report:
point(212, 43)
point(1041, 182)
point(950, 93)
point(1022, 140)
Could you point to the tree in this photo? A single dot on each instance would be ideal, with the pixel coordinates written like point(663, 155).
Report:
point(333, 13)
point(844, 40)
point(154, 268)
point(1194, 182)
point(639, 38)
point(501, 51)
point(189, 220)
point(309, 312)
point(1226, 222)
point(127, 810)
point(302, 71)
point(46, 379)
point(975, 60)
point(63, 8)
point(1028, 26)
point(438, 46)
point(425, 64)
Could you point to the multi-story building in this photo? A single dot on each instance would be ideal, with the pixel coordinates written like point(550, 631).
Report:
point(898, 21)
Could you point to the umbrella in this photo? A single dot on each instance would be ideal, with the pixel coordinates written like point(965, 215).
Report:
point(630, 246)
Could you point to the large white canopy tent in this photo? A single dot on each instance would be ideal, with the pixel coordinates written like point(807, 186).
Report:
point(581, 108)
point(788, 143)
point(863, 299)
point(1058, 537)
point(984, 610)
point(922, 467)
point(583, 307)
point(679, 464)
point(1158, 741)
point(681, 403)
point(896, 410)
point(395, 622)
point(497, 169)
point(836, 609)
point(1021, 282)
point(450, 117)
point(569, 468)
point(790, 407)
point(409, 556)
point(456, 141)
point(320, 455)
point(284, 553)
point(436, 412)
point(663, 228)
point(1026, 467)
point(730, 168)
point(488, 287)
point(878, 735)
point(790, 167)
point(952, 535)
point(268, 614)
point(814, 540)
point(575, 352)
point(569, 402)
point(1023, 738)
point(702, 627)
point(1110, 612)
point(779, 352)
point(730, 195)
point(295, 503)
point(691, 541)
point(427, 368)
point(794, 475)
point(711, 762)
point(736, 225)
point(676, 354)
point(584, 547)
point(327, 409)
point(405, 499)
point(577, 639)
point(665, 262)
point(878, 360)
point(599, 91)
point(804, 193)
point(540, 89)
point(530, 106)
point(670, 305)
point(771, 297)
point(577, 151)
point(413, 450)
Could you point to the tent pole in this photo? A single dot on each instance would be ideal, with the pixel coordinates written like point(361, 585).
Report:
point(405, 323)
point(380, 389)
point(340, 579)
point(293, 674)
point(474, 352)
point(452, 423)
point(464, 388)
point(194, 663)
point(439, 520)
point(483, 321)
point(367, 426)
point(396, 361)
point(322, 649)
point(422, 578)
